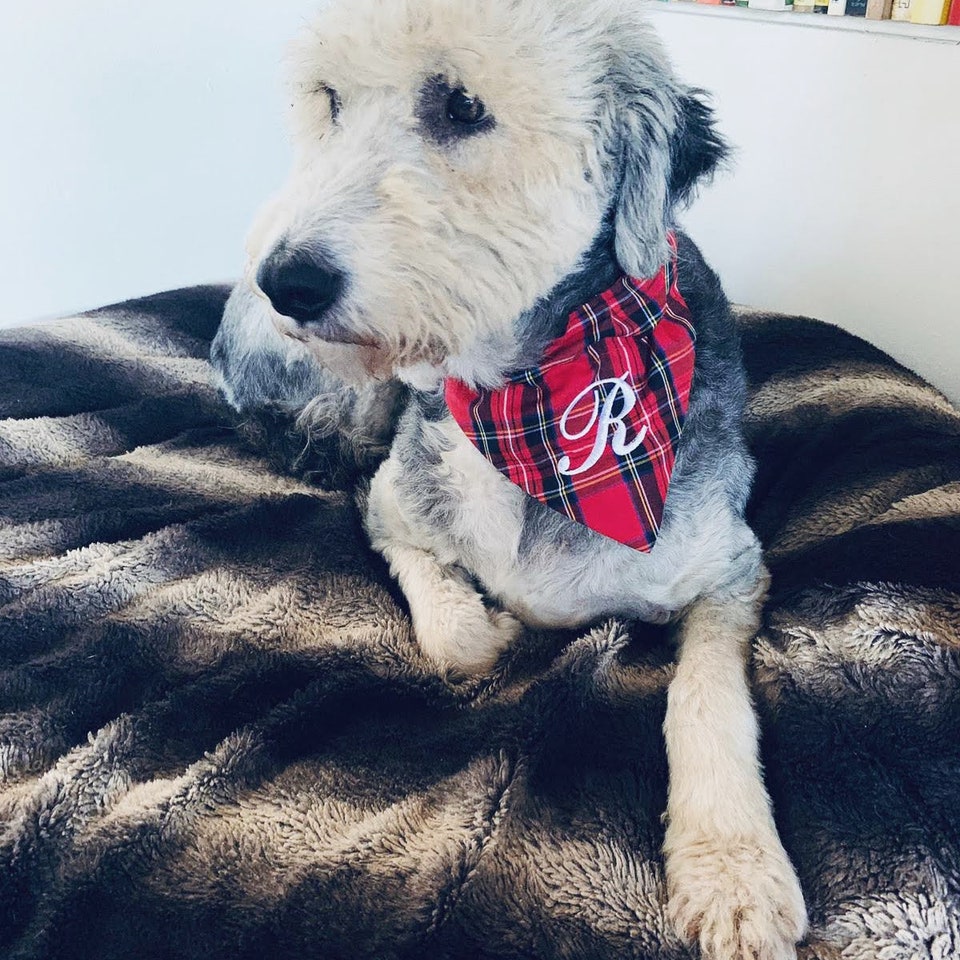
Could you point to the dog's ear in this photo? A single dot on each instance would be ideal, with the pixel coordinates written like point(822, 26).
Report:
point(696, 148)
point(668, 144)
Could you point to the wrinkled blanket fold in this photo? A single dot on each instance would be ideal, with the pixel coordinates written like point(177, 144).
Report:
point(218, 737)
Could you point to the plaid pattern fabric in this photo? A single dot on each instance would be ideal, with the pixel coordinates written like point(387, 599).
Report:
point(593, 431)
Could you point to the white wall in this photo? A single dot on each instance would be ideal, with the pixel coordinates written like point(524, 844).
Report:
point(138, 139)
point(844, 200)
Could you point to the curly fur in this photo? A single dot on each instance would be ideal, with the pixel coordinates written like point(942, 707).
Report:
point(461, 254)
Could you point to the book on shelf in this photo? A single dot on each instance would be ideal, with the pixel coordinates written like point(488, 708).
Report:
point(879, 9)
point(933, 12)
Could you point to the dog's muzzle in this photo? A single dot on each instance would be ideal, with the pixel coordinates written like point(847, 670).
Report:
point(299, 286)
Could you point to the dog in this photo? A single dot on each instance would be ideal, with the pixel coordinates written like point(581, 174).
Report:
point(478, 185)
point(310, 421)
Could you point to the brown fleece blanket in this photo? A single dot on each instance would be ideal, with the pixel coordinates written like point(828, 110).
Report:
point(218, 738)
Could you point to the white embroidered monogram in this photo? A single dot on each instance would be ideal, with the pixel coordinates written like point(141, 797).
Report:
point(602, 419)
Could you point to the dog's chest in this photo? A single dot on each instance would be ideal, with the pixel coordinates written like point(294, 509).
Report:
point(474, 514)
point(547, 569)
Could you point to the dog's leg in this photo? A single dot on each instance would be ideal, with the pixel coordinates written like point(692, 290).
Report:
point(452, 624)
point(729, 880)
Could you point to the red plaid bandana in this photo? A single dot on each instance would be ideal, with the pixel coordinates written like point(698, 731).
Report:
point(593, 431)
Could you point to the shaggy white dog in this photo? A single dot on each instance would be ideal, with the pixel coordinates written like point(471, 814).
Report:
point(468, 172)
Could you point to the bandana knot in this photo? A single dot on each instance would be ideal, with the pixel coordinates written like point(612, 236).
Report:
point(593, 430)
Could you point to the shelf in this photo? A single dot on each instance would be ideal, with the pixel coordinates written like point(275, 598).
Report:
point(811, 21)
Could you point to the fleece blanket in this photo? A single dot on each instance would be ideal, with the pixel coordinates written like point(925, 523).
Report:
point(218, 738)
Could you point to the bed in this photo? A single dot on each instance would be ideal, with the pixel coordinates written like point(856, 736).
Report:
point(218, 738)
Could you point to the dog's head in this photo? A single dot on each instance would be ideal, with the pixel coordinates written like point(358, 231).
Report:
point(455, 159)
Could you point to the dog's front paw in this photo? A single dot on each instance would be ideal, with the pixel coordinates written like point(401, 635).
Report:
point(739, 897)
point(465, 636)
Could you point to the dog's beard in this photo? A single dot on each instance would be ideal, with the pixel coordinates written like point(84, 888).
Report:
point(359, 363)
point(354, 364)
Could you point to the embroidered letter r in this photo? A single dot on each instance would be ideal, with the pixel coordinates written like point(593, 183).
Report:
point(602, 420)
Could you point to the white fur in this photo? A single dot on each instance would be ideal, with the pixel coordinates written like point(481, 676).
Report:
point(444, 245)
point(728, 876)
point(424, 232)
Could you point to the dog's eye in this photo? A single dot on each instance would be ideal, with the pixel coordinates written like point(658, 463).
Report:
point(462, 108)
point(334, 98)
point(447, 113)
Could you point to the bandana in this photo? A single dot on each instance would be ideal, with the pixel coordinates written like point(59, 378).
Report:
point(593, 431)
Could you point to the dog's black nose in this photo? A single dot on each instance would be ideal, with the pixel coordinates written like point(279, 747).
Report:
point(299, 286)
